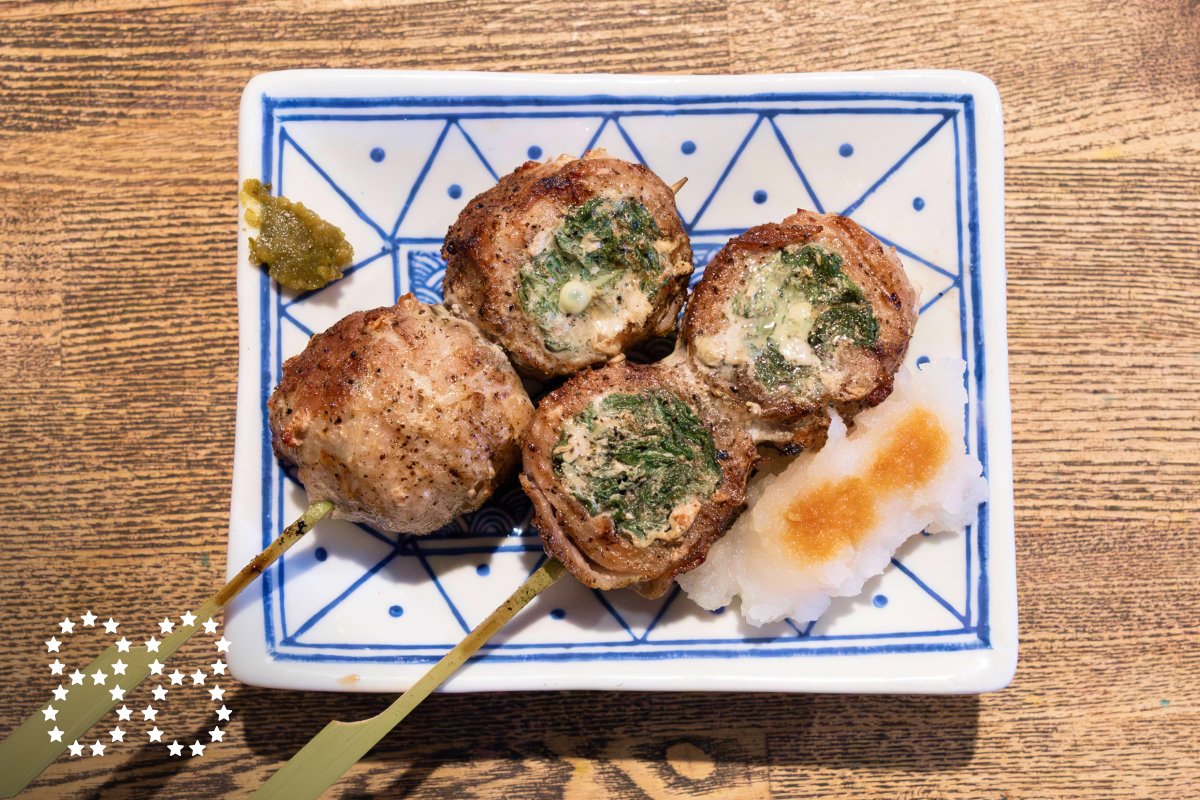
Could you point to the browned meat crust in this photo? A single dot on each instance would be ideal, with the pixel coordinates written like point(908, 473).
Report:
point(590, 547)
point(485, 248)
point(403, 417)
point(863, 375)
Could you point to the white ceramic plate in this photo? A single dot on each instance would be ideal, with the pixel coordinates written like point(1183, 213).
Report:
point(391, 157)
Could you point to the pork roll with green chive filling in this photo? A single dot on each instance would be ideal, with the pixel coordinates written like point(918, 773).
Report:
point(790, 319)
point(568, 263)
point(631, 479)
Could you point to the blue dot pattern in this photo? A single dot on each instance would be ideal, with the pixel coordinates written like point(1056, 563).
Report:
point(455, 191)
point(506, 515)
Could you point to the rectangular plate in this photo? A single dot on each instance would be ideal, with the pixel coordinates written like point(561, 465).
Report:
point(391, 157)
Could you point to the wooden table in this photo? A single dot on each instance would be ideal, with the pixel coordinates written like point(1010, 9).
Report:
point(118, 356)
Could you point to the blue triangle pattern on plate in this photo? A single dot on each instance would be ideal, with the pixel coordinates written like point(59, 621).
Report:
point(397, 177)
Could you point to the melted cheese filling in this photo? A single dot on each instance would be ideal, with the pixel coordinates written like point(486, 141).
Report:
point(787, 327)
point(613, 307)
point(600, 324)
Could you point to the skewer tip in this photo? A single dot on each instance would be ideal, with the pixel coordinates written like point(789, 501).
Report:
point(675, 187)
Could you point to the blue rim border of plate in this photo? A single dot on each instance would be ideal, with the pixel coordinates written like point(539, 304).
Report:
point(981, 628)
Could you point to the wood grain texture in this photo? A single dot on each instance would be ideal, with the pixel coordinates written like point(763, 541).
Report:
point(118, 359)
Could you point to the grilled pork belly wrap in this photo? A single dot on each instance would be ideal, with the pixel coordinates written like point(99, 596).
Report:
point(569, 262)
point(402, 417)
point(631, 478)
point(792, 318)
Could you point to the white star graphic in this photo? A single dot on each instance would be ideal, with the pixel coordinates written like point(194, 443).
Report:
point(123, 645)
point(197, 749)
point(55, 735)
point(57, 667)
point(166, 626)
point(152, 645)
point(60, 693)
point(188, 619)
point(117, 734)
point(219, 667)
point(50, 711)
point(160, 693)
point(124, 713)
point(52, 645)
point(111, 625)
point(77, 678)
point(97, 749)
point(155, 734)
point(223, 645)
point(156, 667)
point(198, 678)
point(67, 626)
point(217, 734)
point(217, 693)
point(98, 678)
point(76, 749)
point(149, 712)
point(210, 626)
point(117, 692)
point(119, 667)
point(176, 748)
point(176, 678)
point(223, 713)
point(89, 620)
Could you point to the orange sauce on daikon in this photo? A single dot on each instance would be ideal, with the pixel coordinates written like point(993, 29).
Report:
point(839, 513)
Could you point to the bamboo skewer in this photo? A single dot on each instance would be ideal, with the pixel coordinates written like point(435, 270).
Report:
point(340, 745)
point(27, 751)
point(25, 754)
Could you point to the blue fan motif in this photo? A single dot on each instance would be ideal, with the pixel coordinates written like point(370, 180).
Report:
point(772, 165)
point(493, 521)
point(425, 273)
point(701, 255)
point(513, 498)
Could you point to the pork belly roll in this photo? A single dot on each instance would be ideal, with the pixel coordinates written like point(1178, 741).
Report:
point(402, 417)
point(790, 319)
point(631, 478)
point(567, 263)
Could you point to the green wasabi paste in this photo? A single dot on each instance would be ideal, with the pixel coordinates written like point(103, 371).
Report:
point(300, 250)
